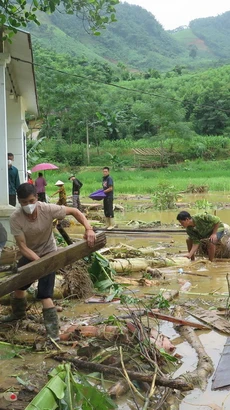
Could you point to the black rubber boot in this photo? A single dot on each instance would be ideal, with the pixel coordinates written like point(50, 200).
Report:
point(51, 323)
point(18, 310)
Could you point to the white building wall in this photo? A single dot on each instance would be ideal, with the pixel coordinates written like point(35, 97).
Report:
point(16, 130)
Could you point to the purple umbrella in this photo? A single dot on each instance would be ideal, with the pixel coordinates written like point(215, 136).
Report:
point(43, 167)
point(98, 195)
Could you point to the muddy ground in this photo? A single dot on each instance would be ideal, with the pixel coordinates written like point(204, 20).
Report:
point(26, 372)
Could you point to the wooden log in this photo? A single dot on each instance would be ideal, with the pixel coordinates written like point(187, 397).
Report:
point(50, 263)
point(198, 377)
point(178, 384)
point(64, 234)
point(178, 321)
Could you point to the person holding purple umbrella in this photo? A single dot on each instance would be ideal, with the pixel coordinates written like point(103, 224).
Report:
point(40, 184)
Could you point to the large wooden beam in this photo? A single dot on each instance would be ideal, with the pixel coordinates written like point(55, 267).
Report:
point(50, 263)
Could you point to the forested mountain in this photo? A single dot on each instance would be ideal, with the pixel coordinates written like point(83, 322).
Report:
point(134, 83)
point(207, 37)
point(138, 40)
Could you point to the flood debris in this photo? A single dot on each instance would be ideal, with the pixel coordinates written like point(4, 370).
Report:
point(198, 377)
point(212, 319)
point(130, 350)
point(139, 264)
point(168, 318)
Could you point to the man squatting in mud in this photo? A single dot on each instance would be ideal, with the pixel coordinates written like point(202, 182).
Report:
point(198, 227)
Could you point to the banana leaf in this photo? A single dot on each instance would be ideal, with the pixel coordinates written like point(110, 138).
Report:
point(68, 391)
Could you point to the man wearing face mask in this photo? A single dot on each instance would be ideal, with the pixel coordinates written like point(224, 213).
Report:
point(32, 227)
point(13, 180)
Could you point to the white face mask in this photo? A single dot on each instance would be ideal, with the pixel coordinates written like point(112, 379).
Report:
point(29, 209)
point(9, 162)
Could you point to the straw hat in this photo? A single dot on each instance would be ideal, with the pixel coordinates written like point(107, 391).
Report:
point(59, 182)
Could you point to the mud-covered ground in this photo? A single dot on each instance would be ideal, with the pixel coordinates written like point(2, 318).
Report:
point(25, 372)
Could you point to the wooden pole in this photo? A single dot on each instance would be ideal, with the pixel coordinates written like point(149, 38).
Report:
point(87, 142)
point(50, 263)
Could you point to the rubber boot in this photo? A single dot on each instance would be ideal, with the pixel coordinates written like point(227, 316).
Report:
point(18, 310)
point(111, 224)
point(107, 222)
point(51, 323)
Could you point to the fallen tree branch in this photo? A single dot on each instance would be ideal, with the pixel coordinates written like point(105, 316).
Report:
point(178, 384)
point(205, 368)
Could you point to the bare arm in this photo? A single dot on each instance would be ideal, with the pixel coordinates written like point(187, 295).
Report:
point(195, 246)
point(25, 251)
point(89, 233)
point(106, 191)
point(212, 237)
point(55, 193)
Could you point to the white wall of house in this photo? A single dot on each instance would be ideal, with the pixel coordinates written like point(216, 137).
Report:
point(16, 138)
point(17, 96)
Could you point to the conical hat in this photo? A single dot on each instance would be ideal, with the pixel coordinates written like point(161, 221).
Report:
point(59, 182)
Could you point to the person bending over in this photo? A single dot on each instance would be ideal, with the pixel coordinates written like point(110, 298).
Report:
point(31, 225)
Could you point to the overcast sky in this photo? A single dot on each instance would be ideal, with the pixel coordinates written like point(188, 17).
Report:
point(175, 13)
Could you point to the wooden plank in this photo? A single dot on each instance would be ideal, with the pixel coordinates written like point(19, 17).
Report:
point(50, 263)
point(211, 319)
point(221, 378)
point(177, 320)
point(168, 318)
point(141, 230)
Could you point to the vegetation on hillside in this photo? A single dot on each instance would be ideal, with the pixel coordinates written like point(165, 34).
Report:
point(137, 40)
point(78, 97)
point(85, 100)
point(206, 39)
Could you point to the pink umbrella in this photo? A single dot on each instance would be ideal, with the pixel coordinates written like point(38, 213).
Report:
point(43, 167)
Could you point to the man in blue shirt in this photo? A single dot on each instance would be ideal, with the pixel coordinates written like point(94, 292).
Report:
point(13, 180)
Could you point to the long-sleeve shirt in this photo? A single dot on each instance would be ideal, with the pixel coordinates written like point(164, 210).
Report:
point(204, 224)
point(14, 180)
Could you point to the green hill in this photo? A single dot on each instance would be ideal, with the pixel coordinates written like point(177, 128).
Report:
point(208, 37)
point(137, 40)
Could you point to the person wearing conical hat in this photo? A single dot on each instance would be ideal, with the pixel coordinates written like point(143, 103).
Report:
point(62, 193)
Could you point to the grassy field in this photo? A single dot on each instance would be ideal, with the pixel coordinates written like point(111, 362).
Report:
point(214, 174)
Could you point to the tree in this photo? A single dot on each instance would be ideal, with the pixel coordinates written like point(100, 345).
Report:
point(17, 13)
